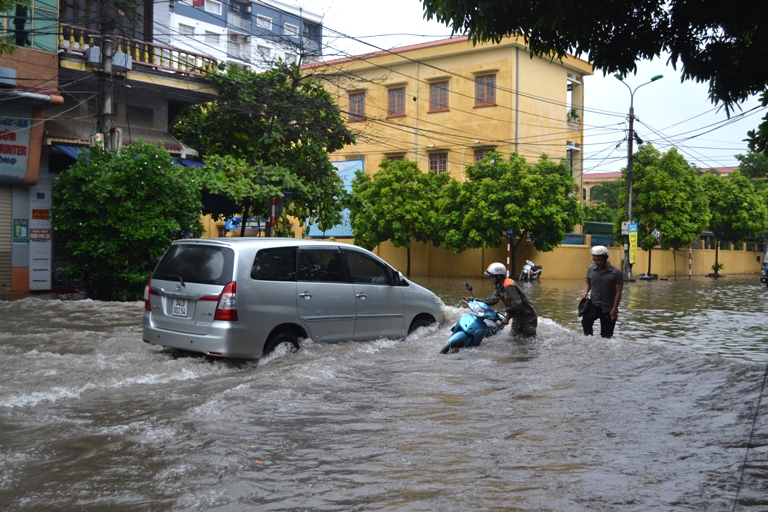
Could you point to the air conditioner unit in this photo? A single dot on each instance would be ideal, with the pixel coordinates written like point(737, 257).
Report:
point(233, 37)
point(306, 30)
point(235, 7)
point(248, 9)
point(247, 39)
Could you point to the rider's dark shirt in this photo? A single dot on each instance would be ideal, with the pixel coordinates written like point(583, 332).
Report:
point(603, 286)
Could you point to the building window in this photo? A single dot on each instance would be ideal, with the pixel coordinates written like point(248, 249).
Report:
point(291, 30)
point(396, 102)
point(438, 162)
point(480, 154)
point(212, 38)
point(264, 51)
point(186, 30)
point(438, 97)
point(290, 58)
point(213, 6)
point(395, 158)
point(357, 107)
point(263, 22)
point(485, 90)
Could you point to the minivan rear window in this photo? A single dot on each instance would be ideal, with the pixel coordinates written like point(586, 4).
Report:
point(277, 264)
point(203, 264)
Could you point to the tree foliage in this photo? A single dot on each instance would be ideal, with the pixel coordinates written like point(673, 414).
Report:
point(754, 166)
point(737, 210)
point(668, 197)
point(607, 192)
point(274, 131)
point(599, 212)
point(396, 204)
point(118, 213)
point(536, 201)
point(718, 42)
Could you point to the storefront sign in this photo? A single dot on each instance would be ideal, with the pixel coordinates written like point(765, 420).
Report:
point(40, 234)
point(20, 231)
point(15, 123)
point(41, 214)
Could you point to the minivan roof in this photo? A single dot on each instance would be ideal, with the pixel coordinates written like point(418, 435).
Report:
point(266, 241)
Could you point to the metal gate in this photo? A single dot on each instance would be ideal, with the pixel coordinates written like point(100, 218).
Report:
point(6, 237)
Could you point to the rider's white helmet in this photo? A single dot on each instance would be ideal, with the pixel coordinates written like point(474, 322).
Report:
point(496, 269)
point(599, 250)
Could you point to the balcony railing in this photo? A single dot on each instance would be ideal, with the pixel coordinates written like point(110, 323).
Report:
point(239, 22)
point(75, 39)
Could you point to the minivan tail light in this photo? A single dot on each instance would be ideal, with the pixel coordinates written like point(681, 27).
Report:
point(226, 309)
point(147, 292)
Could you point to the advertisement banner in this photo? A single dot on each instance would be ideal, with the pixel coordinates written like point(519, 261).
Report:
point(15, 123)
point(346, 171)
point(632, 242)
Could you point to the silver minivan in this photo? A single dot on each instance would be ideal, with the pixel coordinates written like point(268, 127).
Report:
point(242, 297)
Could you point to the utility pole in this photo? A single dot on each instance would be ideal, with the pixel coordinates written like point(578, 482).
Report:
point(106, 78)
point(627, 268)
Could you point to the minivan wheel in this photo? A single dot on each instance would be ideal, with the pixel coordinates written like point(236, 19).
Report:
point(419, 323)
point(279, 339)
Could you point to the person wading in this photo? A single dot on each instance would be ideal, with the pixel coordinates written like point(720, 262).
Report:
point(605, 282)
point(518, 309)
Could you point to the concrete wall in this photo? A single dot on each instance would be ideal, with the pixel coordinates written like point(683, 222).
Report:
point(566, 261)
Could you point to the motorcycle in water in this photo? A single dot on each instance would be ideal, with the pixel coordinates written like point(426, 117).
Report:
point(473, 326)
point(530, 271)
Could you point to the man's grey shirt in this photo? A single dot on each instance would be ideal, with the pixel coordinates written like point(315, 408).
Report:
point(603, 285)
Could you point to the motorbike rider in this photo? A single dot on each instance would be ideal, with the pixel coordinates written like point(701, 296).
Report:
point(518, 309)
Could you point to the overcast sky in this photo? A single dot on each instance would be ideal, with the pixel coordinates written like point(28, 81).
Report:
point(669, 113)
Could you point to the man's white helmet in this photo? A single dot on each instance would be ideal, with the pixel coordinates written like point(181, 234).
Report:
point(496, 269)
point(599, 250)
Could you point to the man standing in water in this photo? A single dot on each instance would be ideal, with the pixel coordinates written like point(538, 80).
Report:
point(519, 310)
point(606, 283)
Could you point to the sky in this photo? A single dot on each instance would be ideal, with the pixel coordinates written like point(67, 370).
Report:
point(668, 113)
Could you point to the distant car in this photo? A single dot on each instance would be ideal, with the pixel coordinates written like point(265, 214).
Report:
point(242, 297)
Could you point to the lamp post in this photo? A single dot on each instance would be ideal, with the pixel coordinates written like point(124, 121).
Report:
point(631, 137)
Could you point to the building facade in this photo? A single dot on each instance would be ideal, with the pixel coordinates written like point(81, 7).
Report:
point(61, 84)
point(445, 104)
point(28, 90)
point(247, 34)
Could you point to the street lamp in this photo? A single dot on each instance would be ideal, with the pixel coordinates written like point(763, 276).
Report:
point(631, 138)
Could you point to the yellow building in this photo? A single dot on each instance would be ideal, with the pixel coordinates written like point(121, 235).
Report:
point(446, 103)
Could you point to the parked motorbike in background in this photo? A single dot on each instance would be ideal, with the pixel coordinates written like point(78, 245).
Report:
point(531, 272)
point(474, 325)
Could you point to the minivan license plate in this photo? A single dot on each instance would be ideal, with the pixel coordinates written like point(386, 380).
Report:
point(179, 307)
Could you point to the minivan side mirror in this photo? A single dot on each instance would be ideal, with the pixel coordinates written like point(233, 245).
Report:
point(399, 279)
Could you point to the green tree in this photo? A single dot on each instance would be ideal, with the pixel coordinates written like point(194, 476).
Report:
point(608, 193)
point(668, 197)
point(715, 42)
point(119, 212)
point(396, 204)
point(536, 201)
point(754, 165)
point(276, 130)
point(599, 212)
point(737, 210)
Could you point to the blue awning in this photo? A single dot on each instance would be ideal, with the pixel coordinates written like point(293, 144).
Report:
point(191, 163)
point(69, 149)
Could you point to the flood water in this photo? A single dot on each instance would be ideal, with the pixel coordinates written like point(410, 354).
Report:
point(658, 418)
